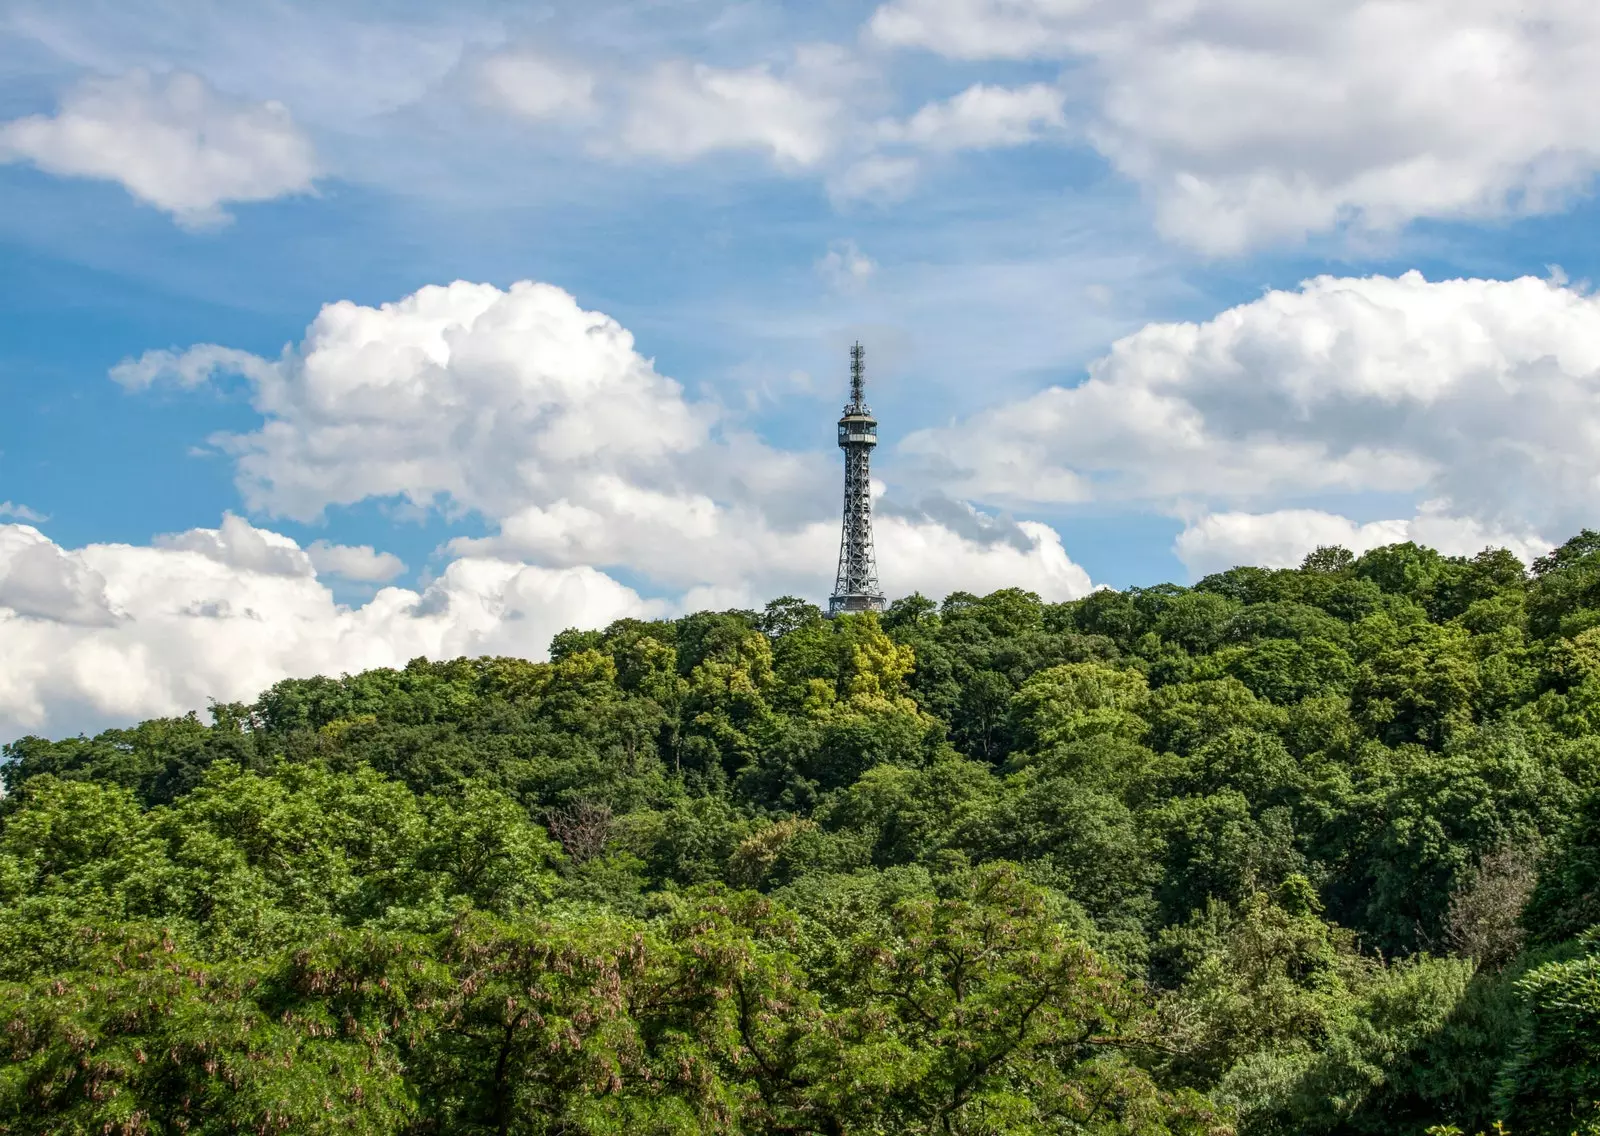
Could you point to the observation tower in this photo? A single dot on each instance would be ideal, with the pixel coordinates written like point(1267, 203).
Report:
point(856, 588)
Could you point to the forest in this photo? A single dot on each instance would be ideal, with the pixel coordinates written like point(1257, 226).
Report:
point(1309, 850)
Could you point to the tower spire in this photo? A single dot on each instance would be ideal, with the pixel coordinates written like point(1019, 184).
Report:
point(856, 587)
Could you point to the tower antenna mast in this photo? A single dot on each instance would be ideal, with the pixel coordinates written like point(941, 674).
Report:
point(856, 586)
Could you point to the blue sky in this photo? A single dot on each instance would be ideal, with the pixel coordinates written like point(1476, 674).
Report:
point(1073, 235)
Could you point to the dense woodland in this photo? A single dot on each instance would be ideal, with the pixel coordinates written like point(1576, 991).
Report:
point(1301, 851)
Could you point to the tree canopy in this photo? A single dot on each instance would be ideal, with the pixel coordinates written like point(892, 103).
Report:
point(1289, 851)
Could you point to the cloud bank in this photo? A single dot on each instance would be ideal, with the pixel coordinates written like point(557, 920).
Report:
point(111, 633)
point(1281, 539)
point(1246, 123)
point(1478, 399)
point(1482, 396)
point(1251, 121)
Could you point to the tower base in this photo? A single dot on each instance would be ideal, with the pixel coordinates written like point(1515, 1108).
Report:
point(856, 602)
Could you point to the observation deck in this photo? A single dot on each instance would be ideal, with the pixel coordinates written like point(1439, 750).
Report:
point(857, 428)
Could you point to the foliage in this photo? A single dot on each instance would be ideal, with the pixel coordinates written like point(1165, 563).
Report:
point(1291, 851)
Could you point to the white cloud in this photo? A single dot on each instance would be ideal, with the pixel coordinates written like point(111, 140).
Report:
point(983, 116)
point(1282, 539)
point(543, 418)
point(170, 141)
point(39, 581)
point(464, 392)
point(931, 558)
point(1249, 121)
point(1467, 536)
point(811, 113)
point(20, 512)
point(683, 110)
point(355, 562)
point(111, 633)
point(190, 368)
point(845, 267)
point(1480, 396)
point(679, 539)
point(882, 162)
point(533, 86)
point(239, 544)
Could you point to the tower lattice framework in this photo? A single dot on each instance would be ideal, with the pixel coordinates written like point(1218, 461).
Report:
point(856, 587)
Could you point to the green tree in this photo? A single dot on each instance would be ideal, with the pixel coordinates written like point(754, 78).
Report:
point(1552, 1082)
point(141, 1038)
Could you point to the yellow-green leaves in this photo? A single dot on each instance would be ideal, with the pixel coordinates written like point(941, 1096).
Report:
point(1079, 700)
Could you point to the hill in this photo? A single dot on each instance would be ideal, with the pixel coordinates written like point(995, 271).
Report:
point(1295, 851)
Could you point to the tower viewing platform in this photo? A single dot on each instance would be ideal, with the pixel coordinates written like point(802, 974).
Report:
point(856, 586)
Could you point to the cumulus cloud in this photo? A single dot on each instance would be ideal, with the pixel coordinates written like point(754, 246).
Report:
point(533, 86)
point(983, 116)
point(466, 392)
point(1249, 121)
point(111, 633)
point(936, 551)
point(239, 544)
point(1281, 539)
point(1480, 396)
point(39, 581)
point(521, 407)
point(171, 141)
point(354, 562)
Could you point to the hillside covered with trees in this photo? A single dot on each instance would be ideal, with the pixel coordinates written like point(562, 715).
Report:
point(1300, 851)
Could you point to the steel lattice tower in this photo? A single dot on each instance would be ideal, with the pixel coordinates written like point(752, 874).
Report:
point(856, 588)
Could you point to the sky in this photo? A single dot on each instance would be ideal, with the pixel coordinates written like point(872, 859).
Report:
point(336, 334)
